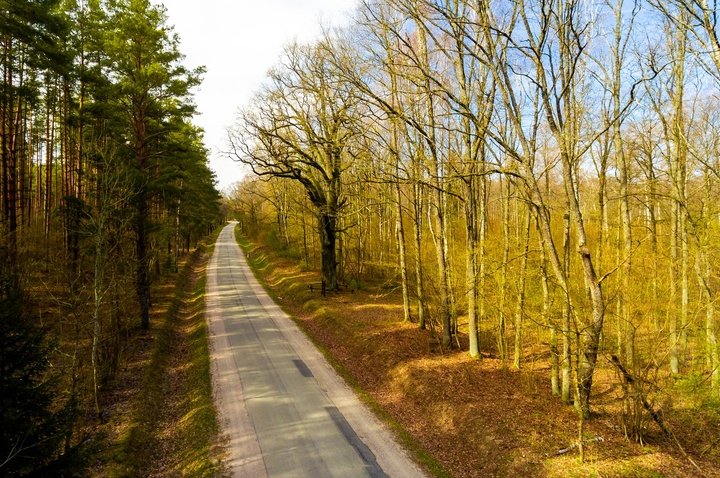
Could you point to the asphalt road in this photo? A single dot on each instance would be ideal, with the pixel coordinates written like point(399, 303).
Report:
point(283, 409)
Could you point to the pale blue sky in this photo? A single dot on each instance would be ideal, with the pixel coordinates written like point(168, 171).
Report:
point(238, 41)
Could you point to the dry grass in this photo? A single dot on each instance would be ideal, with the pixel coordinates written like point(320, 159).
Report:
point(476, 418)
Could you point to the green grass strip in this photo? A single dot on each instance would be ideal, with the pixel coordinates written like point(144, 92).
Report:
point(197, 453)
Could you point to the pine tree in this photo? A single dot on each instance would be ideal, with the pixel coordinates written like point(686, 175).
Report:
point(29, 434)
point(152, 86)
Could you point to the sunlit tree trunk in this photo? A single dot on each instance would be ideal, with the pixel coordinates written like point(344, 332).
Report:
point(567, 362)
point(678, 174)
point(549, 320)
point(399, 224)
point(502, 306)
point(418, 206)
point(472, 270)
point(438, 208)
point(402, 254)
point(520, 307)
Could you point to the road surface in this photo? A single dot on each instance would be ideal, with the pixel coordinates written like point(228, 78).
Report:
point(284, 410)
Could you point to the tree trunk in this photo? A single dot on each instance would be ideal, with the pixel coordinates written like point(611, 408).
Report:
point(441, 246)
point(502, 325)
point(471, 285)
point(402, 256)
point(626, 299)
point(49, 148)
point(566, 314)
point(176, 254)
point(142, 271)
point(673, 273)
point(591, 332)
point(327, 223)
point(399, 225)
point(685, 287)
point(712, 354)
point(439, 233)
point(482, 240)
point(517, 357)
point(11, 109)
point(547, 317)
point(419, 269)
point(98, 292)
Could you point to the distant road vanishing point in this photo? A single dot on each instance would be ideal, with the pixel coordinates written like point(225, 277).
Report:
point(283, 409)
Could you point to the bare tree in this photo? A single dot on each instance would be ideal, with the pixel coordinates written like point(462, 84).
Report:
point(301, 127)
point(549, 43)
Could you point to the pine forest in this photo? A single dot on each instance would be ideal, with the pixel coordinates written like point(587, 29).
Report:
point(104, 185)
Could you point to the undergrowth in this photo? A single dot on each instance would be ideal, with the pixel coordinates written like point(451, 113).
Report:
point(471, 418)
point(172, 427)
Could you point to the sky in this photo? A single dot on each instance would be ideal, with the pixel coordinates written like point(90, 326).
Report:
point(238, 41)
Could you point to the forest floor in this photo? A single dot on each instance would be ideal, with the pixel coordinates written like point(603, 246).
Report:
point(462, 417)
point(160, 418)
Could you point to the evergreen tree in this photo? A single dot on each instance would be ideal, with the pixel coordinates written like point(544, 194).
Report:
point(152, 87)
point(30, 429)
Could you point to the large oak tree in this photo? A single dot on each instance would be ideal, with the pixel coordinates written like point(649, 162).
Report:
point(301, 127)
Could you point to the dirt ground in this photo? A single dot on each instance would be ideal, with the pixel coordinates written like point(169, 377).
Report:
point(476, 417)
